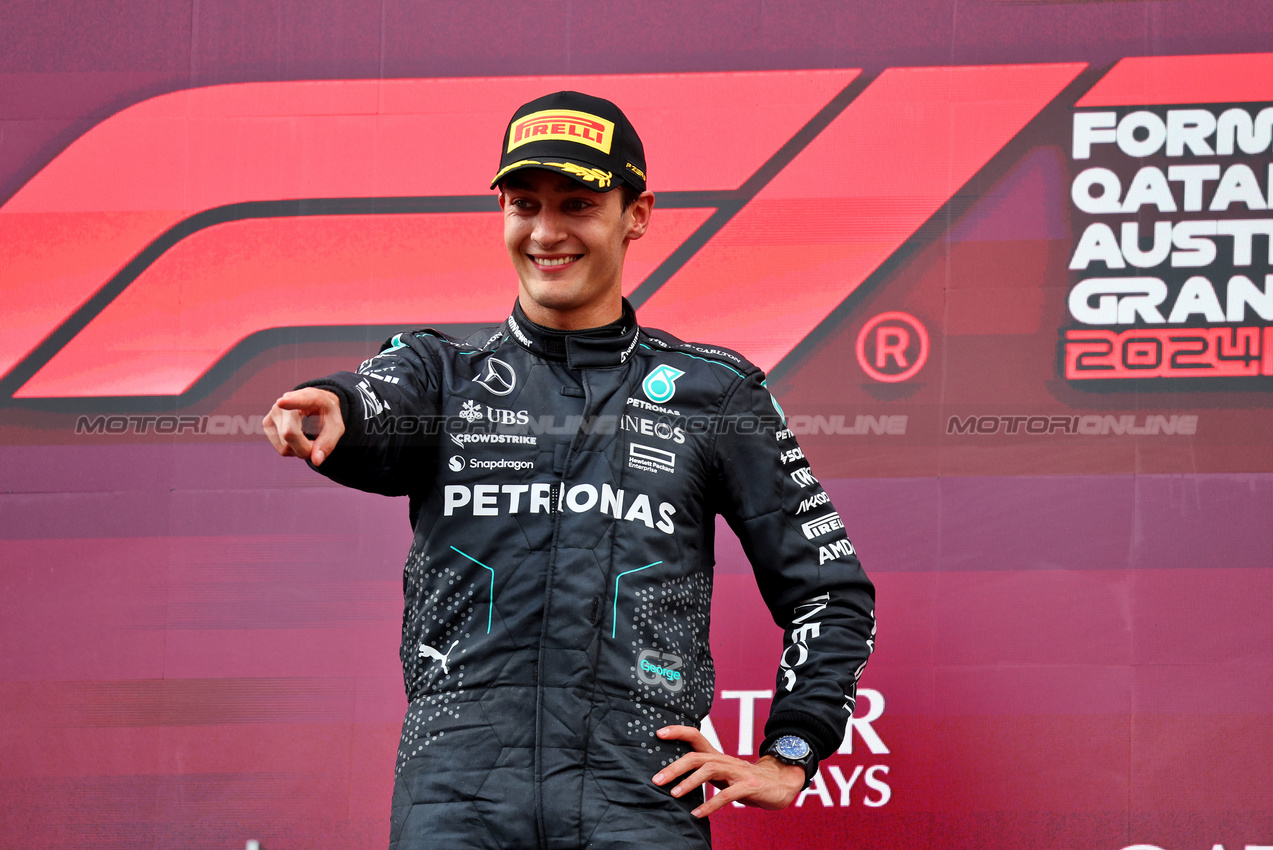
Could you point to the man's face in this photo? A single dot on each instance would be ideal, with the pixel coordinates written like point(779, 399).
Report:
point(567, 244)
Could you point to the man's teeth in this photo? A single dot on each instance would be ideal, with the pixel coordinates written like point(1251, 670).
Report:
point(560, 262)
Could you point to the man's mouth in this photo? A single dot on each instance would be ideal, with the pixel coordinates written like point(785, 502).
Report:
point(553, 262)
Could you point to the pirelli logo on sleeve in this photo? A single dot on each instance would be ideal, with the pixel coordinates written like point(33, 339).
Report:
point(815, 528)
point(565, 124)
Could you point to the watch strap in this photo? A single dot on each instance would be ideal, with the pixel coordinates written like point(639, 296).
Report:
point(809, 762)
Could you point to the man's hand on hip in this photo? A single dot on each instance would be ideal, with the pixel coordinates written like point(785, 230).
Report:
point(284, 424)
point(767, 783)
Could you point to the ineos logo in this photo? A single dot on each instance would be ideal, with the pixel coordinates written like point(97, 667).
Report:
point(892, 347)
point(499, 378)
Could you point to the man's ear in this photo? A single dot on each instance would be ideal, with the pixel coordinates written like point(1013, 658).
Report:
point(502, 199)
point(639, 213)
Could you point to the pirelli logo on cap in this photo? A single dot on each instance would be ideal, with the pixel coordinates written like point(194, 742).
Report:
point(565, 124)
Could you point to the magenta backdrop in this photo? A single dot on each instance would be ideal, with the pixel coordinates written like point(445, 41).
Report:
point(1074, 572)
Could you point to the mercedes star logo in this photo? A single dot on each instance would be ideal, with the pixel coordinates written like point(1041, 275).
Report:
point(499, 378)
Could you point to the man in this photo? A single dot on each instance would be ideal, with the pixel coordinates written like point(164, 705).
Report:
point(555, 639)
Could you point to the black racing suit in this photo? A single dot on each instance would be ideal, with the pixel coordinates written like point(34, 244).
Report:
point(564, 488)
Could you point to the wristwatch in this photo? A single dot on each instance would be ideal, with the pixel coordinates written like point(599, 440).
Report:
point(792, 749)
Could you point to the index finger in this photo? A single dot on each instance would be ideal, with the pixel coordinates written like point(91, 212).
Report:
point(308, 400)
point(689, 735)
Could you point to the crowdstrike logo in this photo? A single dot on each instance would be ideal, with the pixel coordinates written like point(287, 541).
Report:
point(660, 385)
point(499, 378)
point(462, 440)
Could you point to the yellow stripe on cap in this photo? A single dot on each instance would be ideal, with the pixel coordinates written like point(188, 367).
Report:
point(521, 163)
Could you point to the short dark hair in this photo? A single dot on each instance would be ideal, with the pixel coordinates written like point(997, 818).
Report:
point(630, 194)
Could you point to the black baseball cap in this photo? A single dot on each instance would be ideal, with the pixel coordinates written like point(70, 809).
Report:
point(584, 137)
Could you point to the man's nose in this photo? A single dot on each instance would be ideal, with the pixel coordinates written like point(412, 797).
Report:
point(549, 228)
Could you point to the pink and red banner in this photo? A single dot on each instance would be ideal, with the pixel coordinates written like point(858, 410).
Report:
point(1019, 313)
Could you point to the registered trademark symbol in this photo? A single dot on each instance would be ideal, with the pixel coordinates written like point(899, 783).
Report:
point(892, 347)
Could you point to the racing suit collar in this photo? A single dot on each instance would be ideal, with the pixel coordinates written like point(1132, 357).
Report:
point(609, 345)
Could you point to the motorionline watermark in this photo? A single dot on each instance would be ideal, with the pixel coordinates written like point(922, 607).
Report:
point(216, 425)
point(1087, 425)
point(464, 431)
point(460, 428)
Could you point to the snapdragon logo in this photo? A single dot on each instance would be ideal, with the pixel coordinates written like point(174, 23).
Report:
point(501, 463)
point(457, 463)
point(660, 668)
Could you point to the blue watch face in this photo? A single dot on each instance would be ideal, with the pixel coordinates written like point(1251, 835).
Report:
point(791, 747)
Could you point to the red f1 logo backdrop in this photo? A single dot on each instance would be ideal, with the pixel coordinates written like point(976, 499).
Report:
point(196, 221)
point(185, 225)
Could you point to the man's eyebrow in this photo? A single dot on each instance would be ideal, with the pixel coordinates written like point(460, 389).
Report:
point(567, 186)
point(564, 186)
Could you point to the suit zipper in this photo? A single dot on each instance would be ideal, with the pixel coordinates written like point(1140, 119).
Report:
point(552, 568)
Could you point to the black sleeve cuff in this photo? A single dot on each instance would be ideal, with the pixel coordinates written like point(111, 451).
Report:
point(824, 739)
point(336, 387)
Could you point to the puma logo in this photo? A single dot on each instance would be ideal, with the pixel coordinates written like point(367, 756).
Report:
point(427, 651)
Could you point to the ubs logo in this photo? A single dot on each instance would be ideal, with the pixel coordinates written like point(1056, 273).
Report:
point(892, 347)
point(499, 378)
point(660, 668)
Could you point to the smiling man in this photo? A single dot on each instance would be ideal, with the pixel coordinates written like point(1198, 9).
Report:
point(564, 470)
